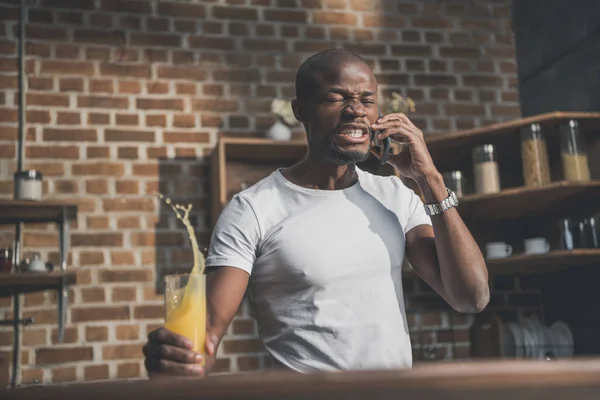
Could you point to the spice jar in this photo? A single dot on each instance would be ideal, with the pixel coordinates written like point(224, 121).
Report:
point(573, 153)
point(455, 181)
point(534, 155)
point(485, 169)
point(28, 185)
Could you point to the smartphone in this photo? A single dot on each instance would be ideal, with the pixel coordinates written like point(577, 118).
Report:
point(386, 144)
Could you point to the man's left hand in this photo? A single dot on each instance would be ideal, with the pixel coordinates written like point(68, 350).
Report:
point(414, 160)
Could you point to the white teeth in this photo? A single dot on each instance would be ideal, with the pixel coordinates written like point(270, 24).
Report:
point(355, 133)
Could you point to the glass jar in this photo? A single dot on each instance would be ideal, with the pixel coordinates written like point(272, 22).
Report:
point(573, 153)
point(6, 260)
point(485, 169)
point(534, 155)
point(455, 181)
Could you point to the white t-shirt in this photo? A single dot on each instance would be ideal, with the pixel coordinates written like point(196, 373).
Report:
point(325, 269)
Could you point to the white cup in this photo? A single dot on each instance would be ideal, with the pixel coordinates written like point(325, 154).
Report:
point(536, 245)
point(497, 250)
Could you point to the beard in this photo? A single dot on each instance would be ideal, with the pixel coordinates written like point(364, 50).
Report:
point(326, 151)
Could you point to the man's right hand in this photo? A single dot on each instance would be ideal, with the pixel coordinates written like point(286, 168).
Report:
point(170, 354)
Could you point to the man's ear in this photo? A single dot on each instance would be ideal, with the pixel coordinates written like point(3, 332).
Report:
point(299, 111)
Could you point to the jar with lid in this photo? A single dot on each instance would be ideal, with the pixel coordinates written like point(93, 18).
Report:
point(534, 155)
point(28, 185)
point(573, 153)
point(485, 169)
point(455, 181)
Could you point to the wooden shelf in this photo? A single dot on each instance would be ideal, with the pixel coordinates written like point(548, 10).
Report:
point(15, 211)
point(557, 199)
point(539, 263)
point(26, 282)
point(589, 122)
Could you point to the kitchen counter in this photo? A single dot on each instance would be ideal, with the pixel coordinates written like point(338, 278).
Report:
point(490, 380)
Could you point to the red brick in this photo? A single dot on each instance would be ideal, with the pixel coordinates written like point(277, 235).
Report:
point(69, 152)
point(102, 102)
point(243, 346)
point(70, 336)
point(53, 100)
point(128, 370)
point(127, 187)
point(215, 43)
point(186, 72)
point(126, 294)
point(68, 118)
point(312, 47)
point(157, 87)
point(63, 355)
point(159, 104)
point(32, 337)
point(97, 240)
point(49, 169)
point(505, 111)
point(97, 152)
point(244, 327)
point(431, 23)
point(89, 314)
point(235, 13)
point(187, 137)
point(156, 152)
point(128, 204)
point(96, 333)
point(91, 258)
point(149, 312)
point(71, 85)
point(130, 87)
point(464, 109)
point(127, 119)
point(99, 169)
point(66, 186)
point(104, 37)
point(96, 186)
point(285, 16)
point(434, 80)
point(127, 332)
point(67, 68)
point(248, 363)
point(41, 32)
point(460, 52)
point(125, 70)
point(98, 222)
point(127, 153)
point(7, 151)
point(101, 86)
point(95, 372)
point(155, 39)
point(114, 135)
point(127, 6)
point(122, 352)
point(64, 374)
point(181, 10)
point(482, 80)
point(217, 105)
point(333, 18)
point(125, 275)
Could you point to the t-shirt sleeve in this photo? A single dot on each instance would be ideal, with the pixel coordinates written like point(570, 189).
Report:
point(416, 212)
point(235, 238)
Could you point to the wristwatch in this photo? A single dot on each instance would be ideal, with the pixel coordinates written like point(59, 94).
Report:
point(442, 206)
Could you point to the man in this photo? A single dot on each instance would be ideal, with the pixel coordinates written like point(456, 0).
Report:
point(320, 244)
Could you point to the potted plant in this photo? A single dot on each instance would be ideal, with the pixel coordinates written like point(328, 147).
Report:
point(282, 127)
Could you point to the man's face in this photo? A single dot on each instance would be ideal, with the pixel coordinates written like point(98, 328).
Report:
point(340, 115)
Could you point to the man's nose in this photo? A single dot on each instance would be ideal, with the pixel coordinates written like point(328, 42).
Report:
point(355, 110)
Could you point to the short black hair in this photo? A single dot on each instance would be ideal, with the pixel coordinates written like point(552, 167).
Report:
point(321, 63)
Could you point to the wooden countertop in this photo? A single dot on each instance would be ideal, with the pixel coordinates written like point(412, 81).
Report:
point(572, 379)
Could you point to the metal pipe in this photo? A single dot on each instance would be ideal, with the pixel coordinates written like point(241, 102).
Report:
point(17, 340)
point(22, 84)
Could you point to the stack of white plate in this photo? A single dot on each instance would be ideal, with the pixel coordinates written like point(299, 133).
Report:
point(530, 339)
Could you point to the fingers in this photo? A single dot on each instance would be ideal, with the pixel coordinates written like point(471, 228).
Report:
point(171, 353)
point(396, 117)
point(211, 344)
point(166, 367)
point(165, 336)
point(398, 132)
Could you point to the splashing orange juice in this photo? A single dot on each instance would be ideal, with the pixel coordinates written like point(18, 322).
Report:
point(185, 295)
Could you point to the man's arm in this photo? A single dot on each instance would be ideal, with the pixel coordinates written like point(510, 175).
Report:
point(225, 288)
point(446, 256)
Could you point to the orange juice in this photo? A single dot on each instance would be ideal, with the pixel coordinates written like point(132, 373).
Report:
point(185, 295)
point(186, 308)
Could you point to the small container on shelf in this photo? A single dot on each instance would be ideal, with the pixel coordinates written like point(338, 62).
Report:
point(485, 169)
point(573, 153)
point(455, 181)
point(28, 185)
point(534, 155)
point(6, 260)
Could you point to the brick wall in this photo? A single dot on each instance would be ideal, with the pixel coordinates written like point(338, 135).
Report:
point(126, 98)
